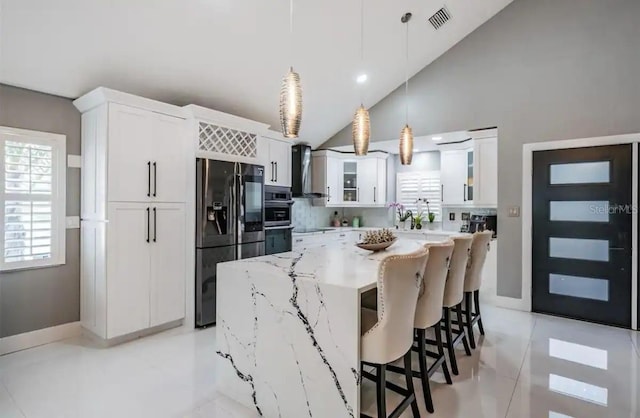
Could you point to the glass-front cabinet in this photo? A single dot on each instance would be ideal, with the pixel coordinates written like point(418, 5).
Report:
point(469, 188)
point(349, 181)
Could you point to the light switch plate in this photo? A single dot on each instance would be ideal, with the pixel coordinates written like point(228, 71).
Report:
point(74, 161)
point(514, 211)
point(73, 222)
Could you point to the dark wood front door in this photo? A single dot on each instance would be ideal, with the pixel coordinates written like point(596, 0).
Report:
point(582, 241)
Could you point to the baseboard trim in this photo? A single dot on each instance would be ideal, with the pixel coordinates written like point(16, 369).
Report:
point(511, 303)
point(39, 337)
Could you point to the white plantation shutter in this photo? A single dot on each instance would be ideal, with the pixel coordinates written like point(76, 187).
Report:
point(32, 193)
point(412, 186)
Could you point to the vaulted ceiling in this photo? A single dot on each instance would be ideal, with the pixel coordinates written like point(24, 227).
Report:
point(229, 55)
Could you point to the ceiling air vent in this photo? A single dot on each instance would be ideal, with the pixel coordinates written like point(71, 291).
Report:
point(440, 17)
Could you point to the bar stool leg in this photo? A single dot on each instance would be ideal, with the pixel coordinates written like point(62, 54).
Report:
point(445, 368)
point(465, 341)
point(424, 370)
point(449, 338)
point(469, 318)
point(381, 385)
point(476, 297)
point(408, 373)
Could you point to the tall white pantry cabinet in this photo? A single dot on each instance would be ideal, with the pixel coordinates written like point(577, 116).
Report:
point(133, 230)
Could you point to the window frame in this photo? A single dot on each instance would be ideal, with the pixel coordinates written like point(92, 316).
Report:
point(421, 206)
point(58, 143)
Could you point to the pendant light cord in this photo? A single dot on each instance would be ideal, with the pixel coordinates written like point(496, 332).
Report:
point(362, 47)
point(291, 32)
point(406, 73)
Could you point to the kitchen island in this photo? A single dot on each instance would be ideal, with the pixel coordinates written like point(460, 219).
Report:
point(288, 336)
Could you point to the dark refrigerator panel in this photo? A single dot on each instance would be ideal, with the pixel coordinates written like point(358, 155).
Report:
point(215, 203)
point(206, 266)
point(251, 203)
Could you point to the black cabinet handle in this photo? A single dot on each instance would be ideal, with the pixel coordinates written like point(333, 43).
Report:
point(464, 192)
point(375, 195)
point(273, 171)
point(276, 163)
point(155, 225)
point(328, 194)
point(148, 225)
point(148, 178)
point(155, 178)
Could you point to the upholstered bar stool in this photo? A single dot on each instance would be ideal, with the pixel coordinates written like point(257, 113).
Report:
point(387, 333)
point(429, 314)
point(453, 295)
point(473, 280)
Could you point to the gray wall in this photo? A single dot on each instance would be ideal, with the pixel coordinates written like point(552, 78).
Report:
point(540, 70)
point(41, 298)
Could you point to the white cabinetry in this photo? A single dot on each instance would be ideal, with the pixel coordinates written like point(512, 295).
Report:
point(469, 173)
point(348, 180)
point(453, 169)
point(134, 228)
point(486, 172)
point(275, 155)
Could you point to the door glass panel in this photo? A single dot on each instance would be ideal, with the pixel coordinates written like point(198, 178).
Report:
point(579, 211)
point(579, 353)
point(579, 287)
point(579, 248)
point(579, 390)
point(576, 173)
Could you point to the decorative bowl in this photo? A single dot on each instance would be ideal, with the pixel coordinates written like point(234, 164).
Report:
point(376, 247)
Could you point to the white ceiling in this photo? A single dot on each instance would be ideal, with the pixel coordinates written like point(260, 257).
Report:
point(229, 55)
point(420, 144)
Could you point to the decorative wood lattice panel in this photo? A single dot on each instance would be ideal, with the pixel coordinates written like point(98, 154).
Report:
point(213, 138)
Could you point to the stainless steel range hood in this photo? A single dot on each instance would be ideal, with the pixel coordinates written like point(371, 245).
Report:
point(301, 172)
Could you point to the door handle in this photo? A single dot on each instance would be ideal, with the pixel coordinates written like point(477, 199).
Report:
point(148, 178)
point(148, 225)
point(276, 164)
point(328, 194)
point(464, 192)
point(155, 179)
point(375, 196)
point(155, 225)
point(272, 171)
point(617, 249)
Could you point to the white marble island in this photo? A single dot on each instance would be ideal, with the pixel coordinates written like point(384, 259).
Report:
point(289, 329)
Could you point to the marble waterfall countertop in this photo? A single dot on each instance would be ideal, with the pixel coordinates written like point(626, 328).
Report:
point(417, 232)
point(289, 329)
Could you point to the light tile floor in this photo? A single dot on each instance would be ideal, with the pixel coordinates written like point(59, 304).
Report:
point(526, 366)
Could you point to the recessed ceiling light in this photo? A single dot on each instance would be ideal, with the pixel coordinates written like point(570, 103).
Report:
point(362, 78)
point(437, 138)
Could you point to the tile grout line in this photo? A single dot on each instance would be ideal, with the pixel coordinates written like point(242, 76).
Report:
point(524, 358)
point(12, 399)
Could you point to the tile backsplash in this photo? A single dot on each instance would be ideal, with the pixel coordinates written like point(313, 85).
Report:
point(305, 215)
point(448, 225)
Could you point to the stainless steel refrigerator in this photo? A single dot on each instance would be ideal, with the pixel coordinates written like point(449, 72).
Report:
point(229, 224)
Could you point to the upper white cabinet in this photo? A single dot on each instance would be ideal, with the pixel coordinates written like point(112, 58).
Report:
point(147, 156)
point(275, 155)
point(348, 180)
point(486, 172)
point(453, 174)
point(469, 172)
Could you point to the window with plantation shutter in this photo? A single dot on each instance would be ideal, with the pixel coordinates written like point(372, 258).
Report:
point(414, 188)
point(32, 195)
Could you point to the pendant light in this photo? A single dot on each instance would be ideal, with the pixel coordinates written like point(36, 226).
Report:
point(406, 136)
point(361, 129)
point(291, 94)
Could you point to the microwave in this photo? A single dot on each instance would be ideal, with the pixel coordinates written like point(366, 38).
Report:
point(277, 206)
